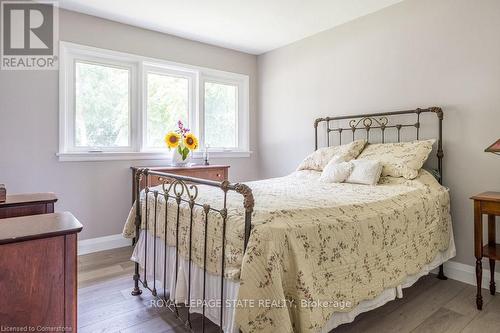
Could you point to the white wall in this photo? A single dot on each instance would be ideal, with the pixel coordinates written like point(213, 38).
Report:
point(97, 193)
point(414, 54)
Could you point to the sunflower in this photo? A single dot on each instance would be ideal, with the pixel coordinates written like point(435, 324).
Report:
point(172, 139)
point(191, 141)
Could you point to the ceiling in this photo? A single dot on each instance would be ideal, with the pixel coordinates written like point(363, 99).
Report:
point(252, 26)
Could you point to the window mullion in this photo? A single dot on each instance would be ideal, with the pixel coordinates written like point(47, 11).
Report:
point(140, 108)
point(201, 110)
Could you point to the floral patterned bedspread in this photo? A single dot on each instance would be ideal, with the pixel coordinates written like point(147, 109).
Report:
point(316, 248)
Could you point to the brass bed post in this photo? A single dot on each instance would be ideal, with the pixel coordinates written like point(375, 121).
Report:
point(316, 122)
point(138, 177)
point(440, 155)
point(248, 204)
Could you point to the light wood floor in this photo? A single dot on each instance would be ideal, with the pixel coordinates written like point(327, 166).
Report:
point(431, 305)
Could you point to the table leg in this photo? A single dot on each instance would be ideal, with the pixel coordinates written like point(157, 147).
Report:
point(479, 278)
point(478, 250)
point(492, 241)
point(492, 276)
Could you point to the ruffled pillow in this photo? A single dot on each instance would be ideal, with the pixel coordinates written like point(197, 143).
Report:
point(402, 159)
point(320, 158)
point(364, 172)
point(336, 171)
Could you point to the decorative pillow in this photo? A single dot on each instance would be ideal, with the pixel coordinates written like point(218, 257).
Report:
point(320, 158)
point(336, 171)
point(366, 172)
point(402, 159)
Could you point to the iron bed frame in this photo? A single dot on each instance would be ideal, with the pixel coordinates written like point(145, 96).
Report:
point(182, 189)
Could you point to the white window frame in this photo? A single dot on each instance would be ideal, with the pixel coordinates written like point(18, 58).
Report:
point(192, 99)
point(71, 115)
point(242, 116)
point(139, 67)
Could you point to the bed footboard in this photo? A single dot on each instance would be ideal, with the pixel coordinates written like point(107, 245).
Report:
point(176, 190)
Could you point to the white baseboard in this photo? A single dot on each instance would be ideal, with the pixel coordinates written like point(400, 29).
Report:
point(91, 245)
point(467, 274)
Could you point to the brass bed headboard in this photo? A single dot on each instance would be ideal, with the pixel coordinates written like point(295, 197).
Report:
point(382, 122)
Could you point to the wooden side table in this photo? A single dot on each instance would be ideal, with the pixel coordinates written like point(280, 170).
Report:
point(485, 203)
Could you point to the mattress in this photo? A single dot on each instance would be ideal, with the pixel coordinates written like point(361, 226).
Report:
point(314, 243)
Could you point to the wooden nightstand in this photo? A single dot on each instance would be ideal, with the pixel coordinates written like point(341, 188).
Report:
point(485, 203)
point(210, 172)
point(27, 204)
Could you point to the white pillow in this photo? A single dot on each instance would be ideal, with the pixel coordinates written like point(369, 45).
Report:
point(366, 172)
point(336, 171)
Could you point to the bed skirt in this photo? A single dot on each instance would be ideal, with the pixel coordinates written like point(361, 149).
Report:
point(231, 287)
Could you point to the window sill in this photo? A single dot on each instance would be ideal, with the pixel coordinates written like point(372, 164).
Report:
point(131, 156)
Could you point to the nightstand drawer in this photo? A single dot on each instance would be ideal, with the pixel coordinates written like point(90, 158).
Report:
point(492, 208)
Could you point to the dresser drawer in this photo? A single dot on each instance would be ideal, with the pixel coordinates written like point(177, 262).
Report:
point(27, 204)
point(28, 209)
point(210, 172)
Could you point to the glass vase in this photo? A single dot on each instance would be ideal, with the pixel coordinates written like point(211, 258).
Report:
point(177, 159)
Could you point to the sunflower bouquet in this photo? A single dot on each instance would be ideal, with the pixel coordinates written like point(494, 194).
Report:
point(182, 140)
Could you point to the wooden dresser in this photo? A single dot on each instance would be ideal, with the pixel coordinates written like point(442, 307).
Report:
point(210, 172)
point(38, 272)
point(27, 204)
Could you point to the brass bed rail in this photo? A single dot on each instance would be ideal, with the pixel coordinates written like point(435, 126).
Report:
point(382, 121)
point(182, 189)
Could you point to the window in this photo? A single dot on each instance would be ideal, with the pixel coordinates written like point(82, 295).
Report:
point(120, 106)
point(221, 115)
point(102, 106)
point(167, 102)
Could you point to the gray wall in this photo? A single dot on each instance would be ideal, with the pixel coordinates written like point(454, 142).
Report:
point(416, 53)
point(98, 193)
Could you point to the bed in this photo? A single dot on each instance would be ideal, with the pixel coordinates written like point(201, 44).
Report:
point(300, 255)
